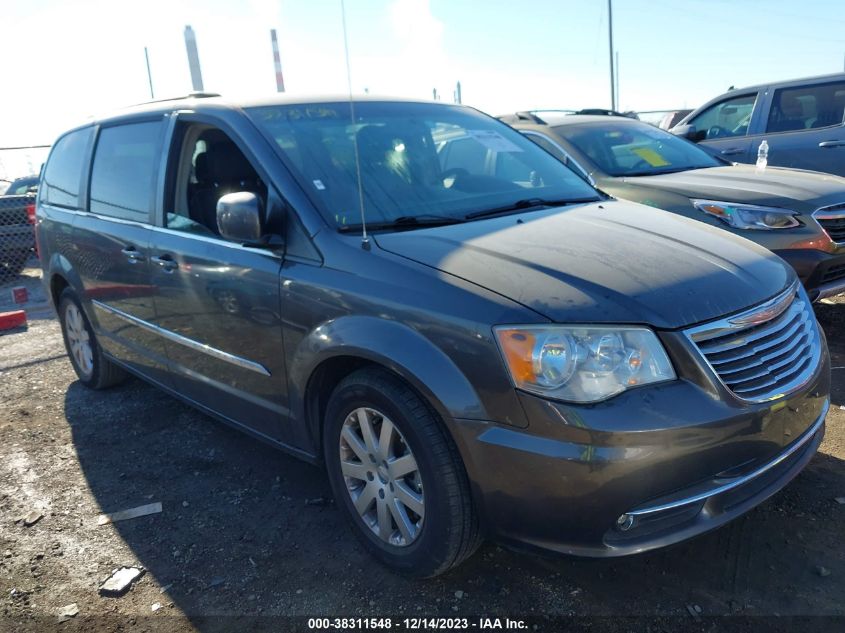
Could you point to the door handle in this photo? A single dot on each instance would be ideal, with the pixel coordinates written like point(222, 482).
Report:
point(166, 262)
point(132, 254)
point(828, 144)
point(732, 151)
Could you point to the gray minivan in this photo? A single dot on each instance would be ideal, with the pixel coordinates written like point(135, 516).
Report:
point(510, 354)
point(801, 120)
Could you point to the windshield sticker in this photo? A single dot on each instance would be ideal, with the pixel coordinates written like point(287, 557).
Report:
point(318, 185)
point(494, 141)
point(651, 157)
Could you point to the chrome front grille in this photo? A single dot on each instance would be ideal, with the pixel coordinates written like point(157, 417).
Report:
point(766, 352)
point(832, 220)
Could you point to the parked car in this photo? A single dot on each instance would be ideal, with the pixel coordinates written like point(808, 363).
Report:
point(505, 353)
point(799, 215)
point(672, 118)
point(21, 186)
point(17, 215)
point(801, 120)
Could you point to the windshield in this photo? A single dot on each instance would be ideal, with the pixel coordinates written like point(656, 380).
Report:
point(631, 149)
point(418, 161)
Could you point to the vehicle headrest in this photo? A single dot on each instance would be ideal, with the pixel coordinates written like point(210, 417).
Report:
point(201, 170)
point(227, 164)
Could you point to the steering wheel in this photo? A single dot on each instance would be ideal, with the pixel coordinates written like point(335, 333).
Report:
point(716, 131)
point(453, 173)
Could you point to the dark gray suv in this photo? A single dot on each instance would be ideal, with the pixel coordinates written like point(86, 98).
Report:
point(509, 354)
point(802, 121)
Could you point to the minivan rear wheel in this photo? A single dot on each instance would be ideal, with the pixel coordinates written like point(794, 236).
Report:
point(92, 367)
point(397, 476)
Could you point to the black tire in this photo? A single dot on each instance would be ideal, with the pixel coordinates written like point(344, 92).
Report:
point(449, 532)
point(104, 373)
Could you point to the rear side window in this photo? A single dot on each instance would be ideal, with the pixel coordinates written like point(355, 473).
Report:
point(63, 173)
point(807, 107)
point(123, 175)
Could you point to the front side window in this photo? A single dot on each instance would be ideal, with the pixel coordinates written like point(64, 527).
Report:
point(63, 172)
point(123, 175)
point(211, 166)
point(726, 119)
point(416, 160)
point(635, 149)
point(807, 107)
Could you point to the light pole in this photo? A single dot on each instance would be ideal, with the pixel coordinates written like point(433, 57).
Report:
point(610, 42)
point(149, 73)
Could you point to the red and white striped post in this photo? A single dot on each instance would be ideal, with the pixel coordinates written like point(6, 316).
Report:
point(277, 62)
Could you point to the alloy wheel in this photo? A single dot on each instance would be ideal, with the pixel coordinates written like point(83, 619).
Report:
point(382, 476)
point(79, 340)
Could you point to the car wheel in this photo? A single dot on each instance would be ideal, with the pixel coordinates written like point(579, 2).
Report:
point(90, 364)
point(397, 475)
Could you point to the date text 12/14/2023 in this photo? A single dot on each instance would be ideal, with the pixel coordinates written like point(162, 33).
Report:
point(417, 624)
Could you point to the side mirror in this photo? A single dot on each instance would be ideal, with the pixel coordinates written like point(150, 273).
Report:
point(687, 131)
point(239, 217)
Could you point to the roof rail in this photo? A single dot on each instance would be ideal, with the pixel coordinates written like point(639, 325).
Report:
point(197, 94)
point(524, 115)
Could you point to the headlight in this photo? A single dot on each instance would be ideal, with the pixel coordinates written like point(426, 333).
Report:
point(582, 363)
point(748, 216)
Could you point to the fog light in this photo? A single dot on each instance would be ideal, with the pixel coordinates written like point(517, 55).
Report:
point(625, 523)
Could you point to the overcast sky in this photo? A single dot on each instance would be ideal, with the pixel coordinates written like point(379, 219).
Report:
point(66, 60)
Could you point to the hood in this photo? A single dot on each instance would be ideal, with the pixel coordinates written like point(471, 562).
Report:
point(608, 262)
point(802, 191)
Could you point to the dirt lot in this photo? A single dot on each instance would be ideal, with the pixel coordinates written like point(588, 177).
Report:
point(236, 537)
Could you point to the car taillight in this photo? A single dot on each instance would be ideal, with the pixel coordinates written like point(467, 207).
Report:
point(30, 216)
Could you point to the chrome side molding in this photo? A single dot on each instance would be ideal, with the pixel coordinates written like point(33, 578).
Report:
point(184, 340)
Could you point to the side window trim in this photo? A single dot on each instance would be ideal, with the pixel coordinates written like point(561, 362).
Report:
point(571, 162)
point(99, 128)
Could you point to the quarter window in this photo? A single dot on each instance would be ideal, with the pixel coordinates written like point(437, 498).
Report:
point(63, 172)
point(807, 107)
point(123, 175)
point(726, 119)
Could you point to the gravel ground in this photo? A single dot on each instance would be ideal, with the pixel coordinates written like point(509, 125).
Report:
point(240, 534)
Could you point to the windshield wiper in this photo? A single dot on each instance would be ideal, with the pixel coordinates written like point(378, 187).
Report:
point(673, 170)
point(528, 203)
point(405, 222)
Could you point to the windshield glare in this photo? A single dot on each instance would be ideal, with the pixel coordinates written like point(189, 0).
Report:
point(417, 160)
point(631, 149)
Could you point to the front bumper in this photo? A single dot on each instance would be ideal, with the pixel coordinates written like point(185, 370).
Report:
point(679, 459)
point(822, 273)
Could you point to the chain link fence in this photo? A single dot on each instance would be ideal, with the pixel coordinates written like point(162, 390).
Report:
point(20, 271)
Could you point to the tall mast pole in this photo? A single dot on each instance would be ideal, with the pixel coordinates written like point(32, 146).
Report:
point(149, 73)
point(610, 43)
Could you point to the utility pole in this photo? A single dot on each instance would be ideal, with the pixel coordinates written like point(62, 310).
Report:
point(610, 42)
point(617, 81)
point(149, 74)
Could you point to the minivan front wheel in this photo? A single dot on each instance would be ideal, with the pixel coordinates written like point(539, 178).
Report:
point(92, 368)
point(397, 476)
